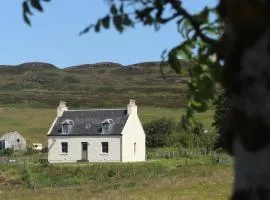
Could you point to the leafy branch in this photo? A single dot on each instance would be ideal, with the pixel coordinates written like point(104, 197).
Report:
point(26, 7)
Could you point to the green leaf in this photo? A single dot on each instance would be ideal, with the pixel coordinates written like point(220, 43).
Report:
point(202, 17)
point(127, 21)
point(106, 22)
point(26, 19)
point(174, 61)
point(199, 106)
point(26, 8)
point(121, 8)
point(87, 29)
point(36, 4)
point(117, 20)
point(97, 26)
point(114, 9)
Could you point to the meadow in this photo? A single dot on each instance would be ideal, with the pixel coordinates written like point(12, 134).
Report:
point(159, 179)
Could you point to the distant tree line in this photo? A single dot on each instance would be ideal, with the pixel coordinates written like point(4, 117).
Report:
point(167, 132)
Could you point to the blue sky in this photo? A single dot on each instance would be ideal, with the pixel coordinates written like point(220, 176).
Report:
point(54, 38)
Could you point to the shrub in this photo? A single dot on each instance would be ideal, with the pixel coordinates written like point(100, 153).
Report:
point(157, 132)
point(8, 152)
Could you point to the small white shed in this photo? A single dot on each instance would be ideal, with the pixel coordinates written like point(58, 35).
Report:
point(13, 140)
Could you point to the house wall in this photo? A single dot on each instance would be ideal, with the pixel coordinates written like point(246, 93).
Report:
point(133, 133)
point(74, 154)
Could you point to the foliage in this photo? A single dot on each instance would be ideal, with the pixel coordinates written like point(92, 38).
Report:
point(157, 131)
point(166, 132)
point(8, 152)
point(26, 176)
point(199, 138)
point(221, 115)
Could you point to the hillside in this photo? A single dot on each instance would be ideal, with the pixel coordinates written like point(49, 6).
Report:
point(91, 85)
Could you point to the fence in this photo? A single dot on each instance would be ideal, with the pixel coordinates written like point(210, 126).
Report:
point(224, 159)
point(176, 153)
point(189, 153)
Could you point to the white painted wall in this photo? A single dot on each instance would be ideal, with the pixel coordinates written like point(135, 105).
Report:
point(74, 154)
point(133, 133)
point(14, 140)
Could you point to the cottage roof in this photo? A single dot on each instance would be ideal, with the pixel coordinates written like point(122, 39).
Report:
point(89, 122)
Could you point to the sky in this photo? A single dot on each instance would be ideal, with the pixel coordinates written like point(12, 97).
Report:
point(53, 37)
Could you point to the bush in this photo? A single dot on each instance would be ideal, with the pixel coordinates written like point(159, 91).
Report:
point(157, 132)
point(8, 152)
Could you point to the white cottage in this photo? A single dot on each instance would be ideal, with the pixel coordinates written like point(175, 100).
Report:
point(96, 135)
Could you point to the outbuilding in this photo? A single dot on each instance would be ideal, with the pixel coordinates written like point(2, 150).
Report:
point(13, 140)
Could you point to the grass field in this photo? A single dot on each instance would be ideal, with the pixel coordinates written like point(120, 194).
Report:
point(162, 179)
point(33, 124)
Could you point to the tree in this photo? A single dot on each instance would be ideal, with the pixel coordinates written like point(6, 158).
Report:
point(231, 49)
point(221, 119)
point(158, 131)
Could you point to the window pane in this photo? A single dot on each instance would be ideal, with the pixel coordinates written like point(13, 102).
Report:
point(65, 128)
point(105, 147)
point(64, 147)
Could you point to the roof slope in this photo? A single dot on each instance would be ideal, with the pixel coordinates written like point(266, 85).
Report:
point(89, 122)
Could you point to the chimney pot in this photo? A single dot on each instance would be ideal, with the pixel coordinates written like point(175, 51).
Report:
point(132, 107)
point(61, 108)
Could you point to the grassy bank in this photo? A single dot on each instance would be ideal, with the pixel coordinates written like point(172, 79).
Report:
point(161, 179)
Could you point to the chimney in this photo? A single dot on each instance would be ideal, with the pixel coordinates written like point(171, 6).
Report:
point(61, 108)
point(131, 107)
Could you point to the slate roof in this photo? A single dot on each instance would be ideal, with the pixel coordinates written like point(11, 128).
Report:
point(89, 122)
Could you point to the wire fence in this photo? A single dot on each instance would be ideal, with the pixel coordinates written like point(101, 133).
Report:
point(220, 158)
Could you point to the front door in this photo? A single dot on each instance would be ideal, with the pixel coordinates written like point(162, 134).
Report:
point(84, 151)
point(2, 145)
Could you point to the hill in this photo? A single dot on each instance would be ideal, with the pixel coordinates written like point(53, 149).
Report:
point(102, 84)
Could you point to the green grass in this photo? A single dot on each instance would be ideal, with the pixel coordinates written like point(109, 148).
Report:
point(33, 124)
point(161, 179)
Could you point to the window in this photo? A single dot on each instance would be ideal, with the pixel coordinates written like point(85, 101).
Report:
point(18, 140)
point(64, 147)
point(105, 147)
point(67, 126)
point(107, 125)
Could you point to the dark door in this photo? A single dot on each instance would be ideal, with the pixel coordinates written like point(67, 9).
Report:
point(2, 145)
point(84, 151)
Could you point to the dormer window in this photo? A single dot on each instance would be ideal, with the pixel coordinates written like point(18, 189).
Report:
point(107, 126)
point(67, 126)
